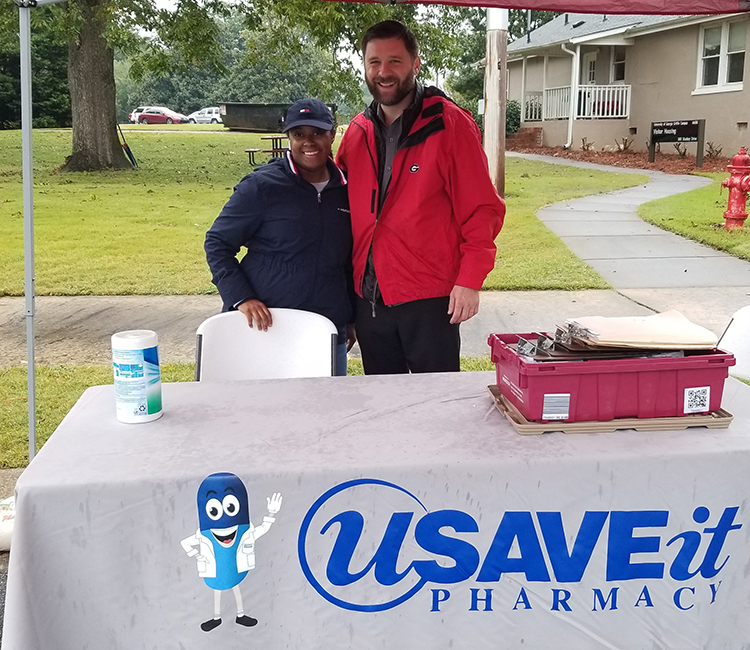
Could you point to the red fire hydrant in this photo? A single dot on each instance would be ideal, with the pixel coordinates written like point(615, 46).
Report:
point(738, 184)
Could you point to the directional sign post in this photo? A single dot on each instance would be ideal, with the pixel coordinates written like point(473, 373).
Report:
point(678, 131)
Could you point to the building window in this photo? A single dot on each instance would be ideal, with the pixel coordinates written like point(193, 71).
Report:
point(722, 63)
point(736, 52)
point(618, 64)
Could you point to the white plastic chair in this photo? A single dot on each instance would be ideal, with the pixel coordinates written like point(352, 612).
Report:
point(736, 339)
point(298, 344)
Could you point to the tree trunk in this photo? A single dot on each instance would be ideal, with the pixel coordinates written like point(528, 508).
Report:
point(91, 78)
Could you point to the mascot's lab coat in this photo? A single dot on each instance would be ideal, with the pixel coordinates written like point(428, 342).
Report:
point(199, 544)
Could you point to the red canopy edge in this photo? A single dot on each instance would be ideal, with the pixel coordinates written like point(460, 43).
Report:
point(662, 7)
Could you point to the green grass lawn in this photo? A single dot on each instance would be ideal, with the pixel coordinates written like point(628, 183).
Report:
point(141, 231)
point(699, 215)
point(530, 256)
point(119, 233)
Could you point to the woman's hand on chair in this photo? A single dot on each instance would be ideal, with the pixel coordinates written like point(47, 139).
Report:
point(351, 336)
point(257, 314)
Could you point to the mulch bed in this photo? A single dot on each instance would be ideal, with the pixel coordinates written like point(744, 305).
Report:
point(665, 162)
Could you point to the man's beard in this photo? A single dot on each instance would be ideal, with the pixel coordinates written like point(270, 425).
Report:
point(401, 90)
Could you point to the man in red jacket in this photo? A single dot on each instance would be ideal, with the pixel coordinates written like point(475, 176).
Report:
point(424, 212)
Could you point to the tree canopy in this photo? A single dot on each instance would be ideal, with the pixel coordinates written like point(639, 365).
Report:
point(201, 52)
point(257, 69)
point(51, 97)
point(338, 26)
point(466, 83)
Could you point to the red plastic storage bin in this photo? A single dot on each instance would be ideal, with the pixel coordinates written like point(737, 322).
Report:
point(575, 391)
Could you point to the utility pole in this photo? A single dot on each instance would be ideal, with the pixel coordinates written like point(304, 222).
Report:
point(494, 95)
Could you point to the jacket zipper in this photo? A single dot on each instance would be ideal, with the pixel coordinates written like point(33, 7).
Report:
point(375, 292)
point(373, 204)
point(372, 302)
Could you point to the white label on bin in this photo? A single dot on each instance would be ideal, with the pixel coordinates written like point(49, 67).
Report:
point(556, 406)
point(697, 399)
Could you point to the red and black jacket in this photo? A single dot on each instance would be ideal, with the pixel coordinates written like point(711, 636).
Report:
point(435, 227)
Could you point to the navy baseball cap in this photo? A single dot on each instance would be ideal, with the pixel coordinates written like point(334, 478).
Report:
point(309, 112)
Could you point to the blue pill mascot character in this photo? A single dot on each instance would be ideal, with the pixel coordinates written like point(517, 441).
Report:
point(224, 544)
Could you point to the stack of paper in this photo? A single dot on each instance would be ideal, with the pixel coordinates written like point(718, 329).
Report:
point(667, 331)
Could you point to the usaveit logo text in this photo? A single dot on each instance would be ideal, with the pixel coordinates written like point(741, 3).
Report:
point(370, 545)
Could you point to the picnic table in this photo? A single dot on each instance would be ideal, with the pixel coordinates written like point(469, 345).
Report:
point(278, 145)
point(251, 156)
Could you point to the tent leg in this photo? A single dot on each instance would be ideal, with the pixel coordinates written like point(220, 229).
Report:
point(24, 17)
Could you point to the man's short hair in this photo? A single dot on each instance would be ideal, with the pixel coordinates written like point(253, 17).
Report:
point(392, 29)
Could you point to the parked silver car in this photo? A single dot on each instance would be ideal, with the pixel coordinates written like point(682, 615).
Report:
point(210, 115)
point(133, 117)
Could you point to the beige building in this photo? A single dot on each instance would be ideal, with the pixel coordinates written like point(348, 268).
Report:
point(625, 72)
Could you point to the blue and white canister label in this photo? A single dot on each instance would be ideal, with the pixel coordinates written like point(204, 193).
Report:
point(137, 376)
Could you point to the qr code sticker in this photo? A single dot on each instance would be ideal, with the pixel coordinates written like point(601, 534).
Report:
point(697, 399)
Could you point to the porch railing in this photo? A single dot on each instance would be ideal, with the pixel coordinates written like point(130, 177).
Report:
point(557, 103)
point(594, 102)
point(599, 102)
point(532, 107)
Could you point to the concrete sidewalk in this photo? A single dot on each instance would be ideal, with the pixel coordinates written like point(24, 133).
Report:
point(606, 232)
point(78, 329)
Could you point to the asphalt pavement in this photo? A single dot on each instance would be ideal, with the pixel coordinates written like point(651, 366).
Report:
point(650, 271)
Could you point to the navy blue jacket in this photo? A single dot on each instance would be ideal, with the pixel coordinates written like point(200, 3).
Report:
point(299, 243)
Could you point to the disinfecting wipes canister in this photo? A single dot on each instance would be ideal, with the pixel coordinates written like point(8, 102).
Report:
point(135, 361)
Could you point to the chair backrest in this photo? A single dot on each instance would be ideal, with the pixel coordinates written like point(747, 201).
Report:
point(298, 344)
point(736, 339)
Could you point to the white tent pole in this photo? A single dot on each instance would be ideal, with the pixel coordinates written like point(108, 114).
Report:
point(24, 32)
point(24, 18)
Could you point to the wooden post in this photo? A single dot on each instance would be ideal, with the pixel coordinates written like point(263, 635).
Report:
point(701, 138)
point(494, 95)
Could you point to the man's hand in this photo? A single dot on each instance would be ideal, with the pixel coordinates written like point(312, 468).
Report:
point(463, 304)
point(351, 337)
point(256, 312)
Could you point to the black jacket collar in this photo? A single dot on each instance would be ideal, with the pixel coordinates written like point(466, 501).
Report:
point(411, 112)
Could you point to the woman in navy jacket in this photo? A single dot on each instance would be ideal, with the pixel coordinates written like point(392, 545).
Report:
point(292, 217)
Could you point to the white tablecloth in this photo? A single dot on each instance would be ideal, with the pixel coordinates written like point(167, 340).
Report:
point(413, 516)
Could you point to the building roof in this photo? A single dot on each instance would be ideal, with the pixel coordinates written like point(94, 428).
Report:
point(570, 27)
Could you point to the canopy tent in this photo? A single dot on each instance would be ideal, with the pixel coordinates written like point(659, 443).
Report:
point(668, 7)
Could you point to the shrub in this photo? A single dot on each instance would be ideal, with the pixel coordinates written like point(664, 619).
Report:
point(714, 150)
point(623, 144)
point(512, 117)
